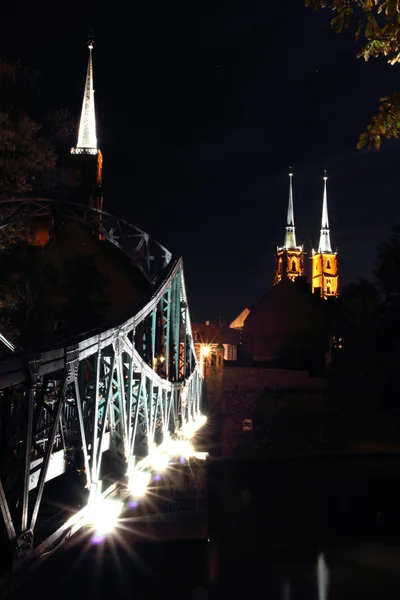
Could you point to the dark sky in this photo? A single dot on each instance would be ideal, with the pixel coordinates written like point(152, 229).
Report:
point(201, 108)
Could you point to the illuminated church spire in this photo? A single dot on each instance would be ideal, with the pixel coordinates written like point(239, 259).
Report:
point(290, 257)
point(324, 262)
point(88, 155)
point(290, 237)
point(87, 139)
point(325, 237)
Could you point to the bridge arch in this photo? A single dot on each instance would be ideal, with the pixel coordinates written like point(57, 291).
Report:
point(121, 389)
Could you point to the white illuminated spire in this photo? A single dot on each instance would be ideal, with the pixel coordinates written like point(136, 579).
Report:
point(290, 237)
point(325, 237)
point(87, 139)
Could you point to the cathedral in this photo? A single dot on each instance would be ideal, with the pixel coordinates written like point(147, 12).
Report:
point(324, 262)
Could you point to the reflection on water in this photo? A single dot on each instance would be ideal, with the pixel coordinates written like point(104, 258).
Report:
point(306, 529)
point(322, 578)
point(286, 591)
point(312, 530)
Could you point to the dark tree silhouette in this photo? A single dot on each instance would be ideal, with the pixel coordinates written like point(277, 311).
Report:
point(84, 291)
point(29, 146)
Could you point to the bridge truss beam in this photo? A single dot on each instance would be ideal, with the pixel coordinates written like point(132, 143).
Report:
point(115, 394)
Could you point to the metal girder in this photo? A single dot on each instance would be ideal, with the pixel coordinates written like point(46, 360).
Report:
point(116, 391)
point(146, 253)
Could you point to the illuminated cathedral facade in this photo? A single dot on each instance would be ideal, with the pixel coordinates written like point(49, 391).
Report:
point(290, 258)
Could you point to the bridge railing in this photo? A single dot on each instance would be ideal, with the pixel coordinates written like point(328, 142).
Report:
point(117, 391)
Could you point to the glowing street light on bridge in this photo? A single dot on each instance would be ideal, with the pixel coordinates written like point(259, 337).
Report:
point(103, 514)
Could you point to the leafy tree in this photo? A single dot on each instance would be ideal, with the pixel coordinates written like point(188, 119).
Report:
point(24, 154)
point(29, 146)
point(365, 378)
point(388, 266)
point(28, 293)
point(44, 298)
point(360, 304)
point(377, 24)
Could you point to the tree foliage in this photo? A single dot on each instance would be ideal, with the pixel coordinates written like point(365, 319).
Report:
point(366, 377)
point(388, 266)
point(30, 145)
point(24, 154)
point(45, 298)
point(377, 26)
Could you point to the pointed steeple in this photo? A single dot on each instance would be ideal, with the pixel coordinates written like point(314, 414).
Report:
point(87, 139)
point(290, 237)
point(325, 237)
point(289, 257)
point(88, 156)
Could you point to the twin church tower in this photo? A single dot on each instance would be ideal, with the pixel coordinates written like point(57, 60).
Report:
point(324, 262)
point(289, 257)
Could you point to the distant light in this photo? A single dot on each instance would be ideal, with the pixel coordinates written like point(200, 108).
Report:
point(205, 350)
point(90, 46)
point(133, 504)
point(157, 477)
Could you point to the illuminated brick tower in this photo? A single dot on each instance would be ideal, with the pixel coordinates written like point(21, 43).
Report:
point(324, 262)
point(87, 151)
point(289, 258)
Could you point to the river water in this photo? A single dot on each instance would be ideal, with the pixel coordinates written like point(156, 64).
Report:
point(279, 529)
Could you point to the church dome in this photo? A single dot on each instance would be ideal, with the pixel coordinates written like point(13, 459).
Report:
point(287, 328)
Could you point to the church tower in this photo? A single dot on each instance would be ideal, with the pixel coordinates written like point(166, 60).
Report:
point(289, 258)
point(324, 262)
point(87, 151)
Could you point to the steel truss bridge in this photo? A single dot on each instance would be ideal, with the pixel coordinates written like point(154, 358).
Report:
point(122, 389)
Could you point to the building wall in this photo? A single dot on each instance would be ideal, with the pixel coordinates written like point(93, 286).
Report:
point(325, 274)
point(271, 412)
point(230, 352)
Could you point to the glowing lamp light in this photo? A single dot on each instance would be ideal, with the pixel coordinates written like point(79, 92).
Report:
point(205, 350)
point(138, 482)
point(160, 461)
point(201, 420)
point(189, 429)
point(102, 515)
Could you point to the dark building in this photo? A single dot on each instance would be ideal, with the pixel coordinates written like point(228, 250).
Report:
point(287, 329)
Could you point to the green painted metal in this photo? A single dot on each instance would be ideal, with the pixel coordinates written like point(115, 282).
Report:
point(111, 394)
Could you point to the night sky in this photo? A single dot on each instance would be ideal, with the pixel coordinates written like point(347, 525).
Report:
point(201, 108)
